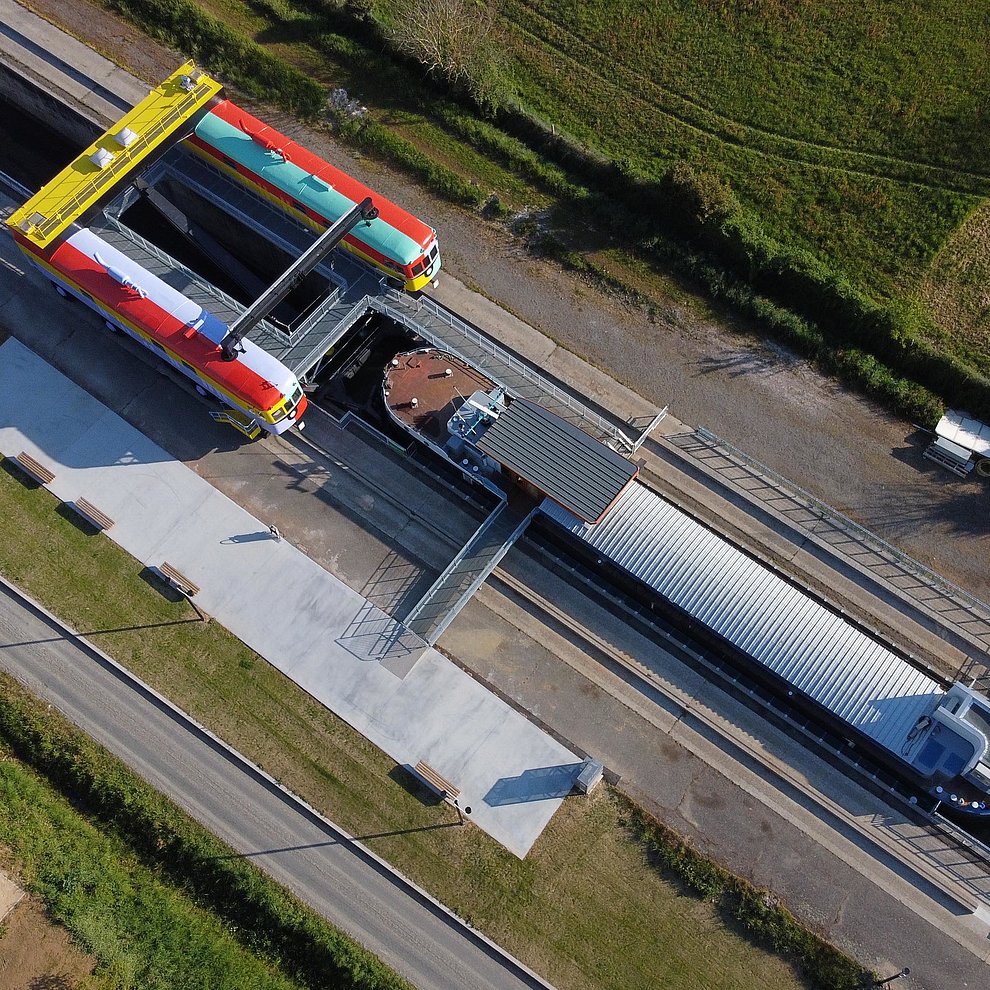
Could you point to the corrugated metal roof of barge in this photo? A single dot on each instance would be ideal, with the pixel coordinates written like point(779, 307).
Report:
point(816, 650)
point(572, 467)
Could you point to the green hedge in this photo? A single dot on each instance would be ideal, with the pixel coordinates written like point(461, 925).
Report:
point(878, 346)
point(265, 916)
point(185, 25)
point(757, 911)
point(143, 931)
point(381, 141)
point(853, 365)
point(695, 211)
point(894, 332)
point(706, 220)
point(508, 150)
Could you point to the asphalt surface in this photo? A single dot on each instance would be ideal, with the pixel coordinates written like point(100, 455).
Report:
point(346, 512)
point(318, 864)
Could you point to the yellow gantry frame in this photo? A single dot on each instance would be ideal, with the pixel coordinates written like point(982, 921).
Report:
point(158, 117)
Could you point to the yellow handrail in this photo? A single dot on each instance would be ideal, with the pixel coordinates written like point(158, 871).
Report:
point(83, 183)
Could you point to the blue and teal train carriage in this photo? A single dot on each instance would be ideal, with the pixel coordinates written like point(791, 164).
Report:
point(311, 190)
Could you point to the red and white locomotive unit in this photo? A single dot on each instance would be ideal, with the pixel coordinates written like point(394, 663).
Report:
point(178, 330)
point(258, 392)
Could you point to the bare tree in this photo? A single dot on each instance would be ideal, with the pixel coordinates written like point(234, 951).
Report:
point(459, 40)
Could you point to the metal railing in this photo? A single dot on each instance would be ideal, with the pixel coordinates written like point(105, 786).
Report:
point(10, 186)
point(961, 837)
point(168, 261)
point(122, 162)
point(247, 207)
point(404, 309)
point(434, 612)
point(303, 366)
point(973, 614)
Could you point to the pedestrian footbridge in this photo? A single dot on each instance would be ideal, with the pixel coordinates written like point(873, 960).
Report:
point(466, 573)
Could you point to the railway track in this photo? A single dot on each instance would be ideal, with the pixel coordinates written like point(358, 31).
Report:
point(9, 186)
point(939, 841)
point(655, 680)
point(883, 570)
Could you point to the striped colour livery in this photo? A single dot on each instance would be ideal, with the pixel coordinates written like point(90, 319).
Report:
point(311, 190)
point(130, 298)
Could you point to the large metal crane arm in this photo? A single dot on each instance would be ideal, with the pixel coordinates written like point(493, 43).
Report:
point(299, 269)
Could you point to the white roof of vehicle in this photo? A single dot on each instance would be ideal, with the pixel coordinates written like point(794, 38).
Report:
point(961, 428)
point(815, 650)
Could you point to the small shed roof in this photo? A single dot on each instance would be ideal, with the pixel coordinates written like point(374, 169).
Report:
point(575, 470)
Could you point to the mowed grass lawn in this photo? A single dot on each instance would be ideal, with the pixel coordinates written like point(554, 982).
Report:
point(586, 908)
point(857, 130)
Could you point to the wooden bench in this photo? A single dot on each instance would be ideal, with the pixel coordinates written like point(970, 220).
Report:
point(178, 580)
point(37, 471)
point(92, 514)
point(435, 782)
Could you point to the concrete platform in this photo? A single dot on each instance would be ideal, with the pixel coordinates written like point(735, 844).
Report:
point(84, 79)
point(10, 895)
point(405, 697)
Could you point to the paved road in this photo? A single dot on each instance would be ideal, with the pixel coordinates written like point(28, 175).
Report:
point(332, 875)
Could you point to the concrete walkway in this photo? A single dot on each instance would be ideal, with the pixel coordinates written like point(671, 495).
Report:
point(82, 78)
point(405, 697)
point(913, 622)
point(10, 895)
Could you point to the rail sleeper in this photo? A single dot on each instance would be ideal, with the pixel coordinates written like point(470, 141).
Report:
point(435, 781)
point(178, 580)
point(91, 513)
point(37, 470)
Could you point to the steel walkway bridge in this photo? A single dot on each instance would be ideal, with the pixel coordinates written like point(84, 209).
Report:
point(299, 347)
point(360, 288)
point(466, 573)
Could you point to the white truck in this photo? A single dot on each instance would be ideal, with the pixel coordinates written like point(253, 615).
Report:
point(961, 444)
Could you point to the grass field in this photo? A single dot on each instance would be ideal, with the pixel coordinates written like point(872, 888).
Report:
point(143, 931)
point(957, 288)
point(587, 886)
point(846, 139)
point(852, 129)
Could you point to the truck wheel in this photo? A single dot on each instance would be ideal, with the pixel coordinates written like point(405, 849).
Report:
point(983, 467)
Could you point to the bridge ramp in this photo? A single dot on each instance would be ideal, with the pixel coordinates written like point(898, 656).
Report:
point(466, 573)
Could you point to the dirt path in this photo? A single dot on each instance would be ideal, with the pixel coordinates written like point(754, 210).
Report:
point(835, 445)
point(35, 952)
